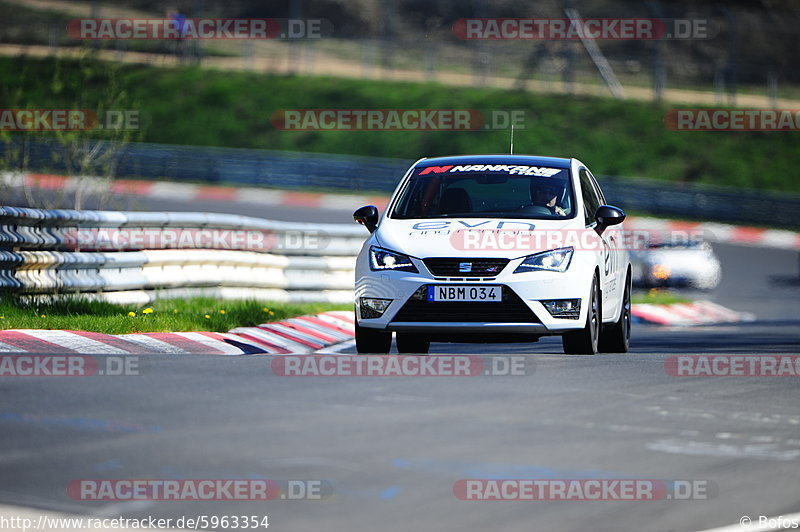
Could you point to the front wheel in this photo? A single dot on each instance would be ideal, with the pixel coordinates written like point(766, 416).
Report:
point(616, 337)
point(372, 340)
point(412, 343)
point(584, 341)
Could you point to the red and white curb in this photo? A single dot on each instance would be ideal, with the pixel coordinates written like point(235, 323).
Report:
point(303, 334)
point(713, 232)
point(695, 313)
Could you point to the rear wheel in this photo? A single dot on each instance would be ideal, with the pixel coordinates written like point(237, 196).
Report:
point(616, 337)
point(584, 341)
point(412, 343)
point(372, 340)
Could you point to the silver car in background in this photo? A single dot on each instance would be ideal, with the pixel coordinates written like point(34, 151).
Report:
point(689, 264)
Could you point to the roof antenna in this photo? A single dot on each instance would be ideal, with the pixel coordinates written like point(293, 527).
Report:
point(512, 139)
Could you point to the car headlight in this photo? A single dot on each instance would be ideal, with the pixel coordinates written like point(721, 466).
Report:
point(660, 272)
point(383, 259)
point(556, 260)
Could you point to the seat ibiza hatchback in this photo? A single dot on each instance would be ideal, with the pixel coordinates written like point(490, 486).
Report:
point(493, 248)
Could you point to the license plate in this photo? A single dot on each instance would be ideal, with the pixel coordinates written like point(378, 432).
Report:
point(464, 293)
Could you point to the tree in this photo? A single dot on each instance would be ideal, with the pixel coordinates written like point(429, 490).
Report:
point(87, 150)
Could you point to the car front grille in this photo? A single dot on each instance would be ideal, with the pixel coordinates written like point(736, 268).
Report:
point(511, 310)
point(461, 267)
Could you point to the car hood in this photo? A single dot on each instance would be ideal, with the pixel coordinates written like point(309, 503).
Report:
point(443, 237)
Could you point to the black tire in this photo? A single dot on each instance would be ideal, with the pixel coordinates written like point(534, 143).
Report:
point(615, 338)
point(584, 341)
point(412, 343)
point(373, 340)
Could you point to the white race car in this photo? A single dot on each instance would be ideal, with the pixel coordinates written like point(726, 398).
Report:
point(664, 263)
point(494, 248)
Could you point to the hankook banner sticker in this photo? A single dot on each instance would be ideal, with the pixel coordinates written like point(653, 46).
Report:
point(538, 171)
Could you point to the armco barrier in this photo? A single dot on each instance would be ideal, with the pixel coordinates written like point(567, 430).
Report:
point(50, 252)
point(297, 170)
point(277, 169)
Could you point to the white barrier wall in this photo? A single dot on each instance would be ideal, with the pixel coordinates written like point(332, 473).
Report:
point(136, 257)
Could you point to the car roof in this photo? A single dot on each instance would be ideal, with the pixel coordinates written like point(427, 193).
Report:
point(532, 160)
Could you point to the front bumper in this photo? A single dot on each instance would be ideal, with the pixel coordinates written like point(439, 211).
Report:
point(486, 327)
point(521, 311)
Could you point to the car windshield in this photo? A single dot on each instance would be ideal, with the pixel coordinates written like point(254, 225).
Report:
point(480, 191)
point(668, 242)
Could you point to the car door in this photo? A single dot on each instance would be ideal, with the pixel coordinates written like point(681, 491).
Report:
point(609, 255)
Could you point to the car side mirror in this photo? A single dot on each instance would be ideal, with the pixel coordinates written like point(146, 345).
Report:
point(607, 215)
point(367, 216)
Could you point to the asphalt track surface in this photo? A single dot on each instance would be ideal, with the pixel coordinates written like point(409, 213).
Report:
point(393, 447)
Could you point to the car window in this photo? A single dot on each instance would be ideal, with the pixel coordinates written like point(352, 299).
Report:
point(597, 188)
point(514, 191)
point(591, 199)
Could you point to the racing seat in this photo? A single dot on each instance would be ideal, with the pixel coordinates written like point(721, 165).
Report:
point(455, 200)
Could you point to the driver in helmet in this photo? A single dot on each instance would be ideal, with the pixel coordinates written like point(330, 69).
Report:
point(547, 196)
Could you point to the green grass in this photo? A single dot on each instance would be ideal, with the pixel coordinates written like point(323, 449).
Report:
point(190, 105)
point(656, 296)
point(198, 314)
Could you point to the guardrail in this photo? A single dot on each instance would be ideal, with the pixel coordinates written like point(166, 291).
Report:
point(297, 170)
point(136, 257)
